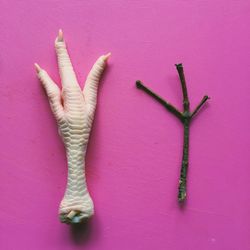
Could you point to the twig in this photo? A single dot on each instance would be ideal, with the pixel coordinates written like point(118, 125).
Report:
point(166, 104)
point(204, 99)
point(180, 70)
point(185, 117)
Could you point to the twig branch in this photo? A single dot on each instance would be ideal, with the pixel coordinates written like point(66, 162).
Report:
point(204, 99)
point(166, 104)
point(185, 117)
point(180, 70)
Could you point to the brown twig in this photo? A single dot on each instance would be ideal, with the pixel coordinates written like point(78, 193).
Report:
point(185, 117)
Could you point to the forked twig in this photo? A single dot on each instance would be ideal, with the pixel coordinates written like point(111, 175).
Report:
point(185, 117)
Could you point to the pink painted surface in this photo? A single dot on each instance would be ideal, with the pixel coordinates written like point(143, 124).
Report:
point(134, 156)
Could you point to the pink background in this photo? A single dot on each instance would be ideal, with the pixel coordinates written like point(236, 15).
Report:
point(134, 156)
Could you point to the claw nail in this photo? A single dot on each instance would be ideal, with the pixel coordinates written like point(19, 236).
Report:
point(37, 67)
point(106, 57)
point(60, 36)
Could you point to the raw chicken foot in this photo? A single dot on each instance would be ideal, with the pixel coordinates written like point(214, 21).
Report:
point(73, 110)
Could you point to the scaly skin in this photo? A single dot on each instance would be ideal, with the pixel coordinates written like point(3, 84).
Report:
point(74, 111)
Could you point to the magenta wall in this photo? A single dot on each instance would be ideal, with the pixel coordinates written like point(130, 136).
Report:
point(134, 155)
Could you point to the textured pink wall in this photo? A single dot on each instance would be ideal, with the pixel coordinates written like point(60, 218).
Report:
point(134, 156)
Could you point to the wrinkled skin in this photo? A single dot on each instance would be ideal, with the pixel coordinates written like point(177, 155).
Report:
point(73, 110)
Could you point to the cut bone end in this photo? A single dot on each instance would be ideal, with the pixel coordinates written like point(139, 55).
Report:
point(75, 217)
point(71, 214)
